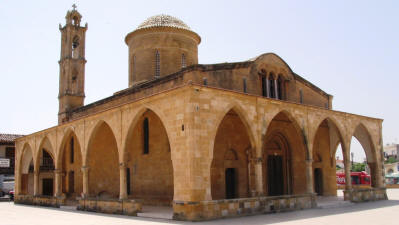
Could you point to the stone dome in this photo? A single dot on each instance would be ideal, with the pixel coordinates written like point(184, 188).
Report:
point(163, 21)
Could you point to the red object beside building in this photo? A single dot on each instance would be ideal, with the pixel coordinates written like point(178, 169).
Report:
point(357, 178)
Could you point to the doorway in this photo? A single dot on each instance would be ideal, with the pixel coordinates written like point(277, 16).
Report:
point(275, 175)
point(71, 182)
point(230, 176)
point(318, 181)
point(48, 186)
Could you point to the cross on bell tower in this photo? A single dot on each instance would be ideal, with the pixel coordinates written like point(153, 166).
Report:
point(72, 65)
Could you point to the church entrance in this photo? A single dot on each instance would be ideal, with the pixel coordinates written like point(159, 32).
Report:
point(230, 177)
point(318, 181)
point(48, 186)
point(275, 175)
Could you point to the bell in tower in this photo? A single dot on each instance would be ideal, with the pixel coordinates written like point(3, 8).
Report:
point(72, 65)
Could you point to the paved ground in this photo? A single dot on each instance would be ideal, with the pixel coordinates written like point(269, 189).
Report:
point(373, 213)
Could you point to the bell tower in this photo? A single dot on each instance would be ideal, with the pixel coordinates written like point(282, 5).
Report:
point(72, 65)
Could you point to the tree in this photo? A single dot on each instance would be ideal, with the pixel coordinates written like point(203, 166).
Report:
point(359, 167)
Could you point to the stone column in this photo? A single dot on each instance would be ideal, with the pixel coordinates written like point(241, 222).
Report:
point(122, 181)
point(348, 179)
point(309, 176)
point(276, 88)
point(259, 177)
point(35, 182)
point(267, 87)
point(85, 171)
point(57, 176)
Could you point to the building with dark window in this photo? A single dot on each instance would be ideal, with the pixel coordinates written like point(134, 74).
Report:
point(207, 140)
point(7, 153)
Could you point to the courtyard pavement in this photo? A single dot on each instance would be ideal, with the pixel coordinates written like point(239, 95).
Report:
point(370, 213)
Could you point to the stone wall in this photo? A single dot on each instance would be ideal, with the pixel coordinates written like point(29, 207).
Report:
point(110, 206)
point(48, 201)
point(206, 210)
point(365, 195)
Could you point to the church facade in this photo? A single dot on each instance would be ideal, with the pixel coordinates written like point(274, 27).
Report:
point(211, 141)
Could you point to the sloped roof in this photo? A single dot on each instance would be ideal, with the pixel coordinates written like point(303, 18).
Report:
point(9, 138)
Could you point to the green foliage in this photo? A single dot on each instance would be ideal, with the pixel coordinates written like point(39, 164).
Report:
point(358, 167)
point(391, 160)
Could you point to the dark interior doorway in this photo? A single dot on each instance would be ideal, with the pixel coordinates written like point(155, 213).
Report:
point(318, 181)
point(71, 181)
point(128, 180)
point(275, 175)
point(48, 186)
point(230, 176)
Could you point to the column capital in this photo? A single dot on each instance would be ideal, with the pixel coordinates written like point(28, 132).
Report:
point(85, 169)
point(122, 165)
point(57, 171)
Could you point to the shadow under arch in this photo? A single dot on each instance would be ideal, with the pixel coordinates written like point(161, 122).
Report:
point(102, 159)
point(288, 158)
point(327, 137)
point(362, 134)
point(69, 162)
point(147, 155)
point(244, 119)
point(46, 145)
point(134, 121)
point(332, 122)
point(67, 135)
point(294, 123)
point(25, 161)
point(45, 159)
point(233, 145)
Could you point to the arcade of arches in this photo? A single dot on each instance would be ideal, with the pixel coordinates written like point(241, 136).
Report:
point(164, 154)
point(148, 171)
point(211, 140)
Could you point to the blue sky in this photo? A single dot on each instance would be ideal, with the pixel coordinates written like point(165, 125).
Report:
point(347, 48)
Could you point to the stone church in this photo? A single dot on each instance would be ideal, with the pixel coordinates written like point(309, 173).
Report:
point(208, 140)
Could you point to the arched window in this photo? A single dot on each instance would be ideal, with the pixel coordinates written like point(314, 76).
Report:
point(300, 96)
point(72, 148)
point(157, 64)
point(272, 92)
point(264, 83)
point(183, 61)
point(146, 137)
point(280, 88)
point(134, 67)
point(75, 45)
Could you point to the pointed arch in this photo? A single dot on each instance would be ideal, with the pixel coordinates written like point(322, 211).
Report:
point(70, 132)
point(69, 162)
point(102, 159)
point(295, 124)
point(326, 138)
point(233, 144)
point(284, 129)
point(333, 123)
point(25, 160)
point(45, 144)
point(244, 119)
point(93, 132)
point(133, 121)
point(147, 156)
point(362, 134)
